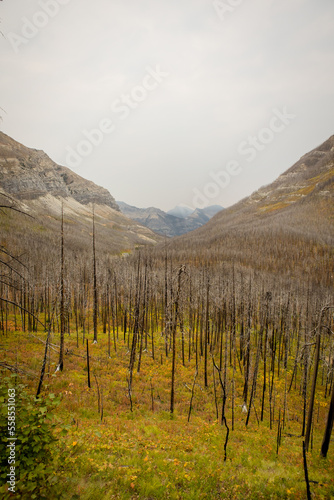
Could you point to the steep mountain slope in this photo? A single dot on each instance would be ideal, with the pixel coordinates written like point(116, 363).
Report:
point(39, 187)
point(286, 227)
point(211, 210)
point(203, 215)
point(166, 224)
point(301, 200)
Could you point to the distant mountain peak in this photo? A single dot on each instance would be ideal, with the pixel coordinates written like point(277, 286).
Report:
point(166, 223)
point(181, 211)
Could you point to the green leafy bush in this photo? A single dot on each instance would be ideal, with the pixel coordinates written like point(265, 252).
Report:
point(35, 447)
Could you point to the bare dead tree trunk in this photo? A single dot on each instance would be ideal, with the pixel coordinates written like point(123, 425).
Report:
point(308, 491)
point(88, 367)
point(95, 308)
point(247, 353)
point(254, 377)
point(135, 333)
point(143, 320)
point(329, 426)
point(264, 387)
point(206, 334)
point(314, 380)
point(214, 389)
point(46, 351)
point(62, 296)
point(98, 395)
point(223, 417)
point(152, 395)
point(192, 393)
point(174, 328)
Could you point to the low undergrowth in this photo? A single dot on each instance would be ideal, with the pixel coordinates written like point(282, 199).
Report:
point(102, 450)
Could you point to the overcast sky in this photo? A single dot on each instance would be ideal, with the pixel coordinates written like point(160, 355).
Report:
point(197, 102)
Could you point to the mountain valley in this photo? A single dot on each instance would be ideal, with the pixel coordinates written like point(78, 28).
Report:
point(166, 368)
point(167, 223)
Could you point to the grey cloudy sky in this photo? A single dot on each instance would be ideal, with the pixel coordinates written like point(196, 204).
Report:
point(197, 101)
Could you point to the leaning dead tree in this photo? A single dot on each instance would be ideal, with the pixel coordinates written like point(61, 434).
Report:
point(9, 264)
point(41, 378)
point(329, 424)
point(223, 416)
point(12, 269)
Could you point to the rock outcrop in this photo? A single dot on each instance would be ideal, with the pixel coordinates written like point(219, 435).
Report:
point(29, 174)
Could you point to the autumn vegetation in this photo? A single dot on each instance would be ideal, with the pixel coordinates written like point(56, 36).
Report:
point(184, 371)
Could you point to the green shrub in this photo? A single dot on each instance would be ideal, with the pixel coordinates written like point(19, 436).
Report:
point(35, 447)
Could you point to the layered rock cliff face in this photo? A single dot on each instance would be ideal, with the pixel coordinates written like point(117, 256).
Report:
point(37, 186)
point(29, 174)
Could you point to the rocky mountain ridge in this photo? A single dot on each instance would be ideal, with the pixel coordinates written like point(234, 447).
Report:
point(29, 174)
point(300, 202)
point(307, 175)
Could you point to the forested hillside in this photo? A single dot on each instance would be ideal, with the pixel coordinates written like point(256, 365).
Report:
point(284, 229)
